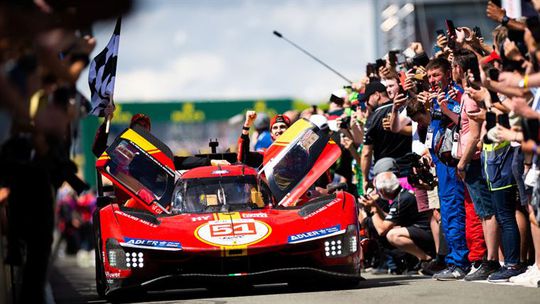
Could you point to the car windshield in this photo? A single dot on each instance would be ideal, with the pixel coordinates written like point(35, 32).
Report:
point(219, 194)
point(292, 167)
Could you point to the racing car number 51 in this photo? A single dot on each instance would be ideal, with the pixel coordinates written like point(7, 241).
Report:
point(229, 229)
point(233, 233)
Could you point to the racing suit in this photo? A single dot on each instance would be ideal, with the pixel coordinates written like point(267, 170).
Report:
point(451, 190)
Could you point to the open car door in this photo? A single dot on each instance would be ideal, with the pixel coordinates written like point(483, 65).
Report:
point(141, 166)
point(298, 158)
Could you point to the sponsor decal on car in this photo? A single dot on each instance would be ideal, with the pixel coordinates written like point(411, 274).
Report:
point(322, 208)
point(217, 172)
point(254, 215)
point(201, 218)
point(315, 234)
point(112, 275)
point(136, 219)
point(151, 244)
point(232, 232)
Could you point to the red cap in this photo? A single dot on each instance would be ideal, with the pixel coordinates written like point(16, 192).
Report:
point(280, 118)
point(492, 57)
point(140, 118)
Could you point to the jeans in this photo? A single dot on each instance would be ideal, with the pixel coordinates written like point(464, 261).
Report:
point(505, 212)
point(517, 171)
point(479, 190)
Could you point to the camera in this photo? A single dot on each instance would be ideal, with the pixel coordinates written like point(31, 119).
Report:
point(372, 70)
point(477, 32)
point(392, 57)
point(421, 176)
point(380, 63)
point(345, 122)
point(440, 32)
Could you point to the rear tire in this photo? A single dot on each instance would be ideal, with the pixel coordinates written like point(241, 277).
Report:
point(100, 284)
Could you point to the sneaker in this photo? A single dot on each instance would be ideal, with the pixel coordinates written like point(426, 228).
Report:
point(483, 271)
point(413, 270)
point(451, 273)
point(529, 278)
point(431, 267)
point(533, 282)
point(505, 273)
point(475, 266)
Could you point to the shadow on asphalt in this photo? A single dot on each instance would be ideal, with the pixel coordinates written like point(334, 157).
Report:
point(73, 290)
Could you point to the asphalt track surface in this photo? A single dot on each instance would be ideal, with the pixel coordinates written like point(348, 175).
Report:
point(73, 285)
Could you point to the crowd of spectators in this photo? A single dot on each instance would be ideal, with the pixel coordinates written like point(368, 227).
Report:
point(442, 152)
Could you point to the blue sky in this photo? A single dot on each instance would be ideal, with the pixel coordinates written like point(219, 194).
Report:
point(212, 49)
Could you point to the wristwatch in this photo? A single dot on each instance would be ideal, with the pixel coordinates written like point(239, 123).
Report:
point(521, 83)
point(505, 20)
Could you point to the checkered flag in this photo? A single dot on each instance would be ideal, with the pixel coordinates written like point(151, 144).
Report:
point(103, 73)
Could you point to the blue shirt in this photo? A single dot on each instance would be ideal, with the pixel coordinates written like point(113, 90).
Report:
point(264, 140)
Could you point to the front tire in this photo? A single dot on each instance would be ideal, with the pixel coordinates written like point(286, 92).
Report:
point(101, 283)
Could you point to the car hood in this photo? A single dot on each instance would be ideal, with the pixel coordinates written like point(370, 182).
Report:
point(263, 228)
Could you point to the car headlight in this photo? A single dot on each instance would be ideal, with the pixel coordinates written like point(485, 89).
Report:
point(342, 245)
point(135, 259)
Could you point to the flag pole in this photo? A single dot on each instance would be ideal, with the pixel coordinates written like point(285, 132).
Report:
point(108, 118)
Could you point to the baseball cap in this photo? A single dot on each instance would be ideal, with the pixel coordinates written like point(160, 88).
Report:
point(138, 118)
point(371, 88)
point(280, 118)
point(493, 56)
point(386, 164)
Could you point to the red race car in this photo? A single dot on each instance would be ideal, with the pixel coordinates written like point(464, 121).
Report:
point(224, 224)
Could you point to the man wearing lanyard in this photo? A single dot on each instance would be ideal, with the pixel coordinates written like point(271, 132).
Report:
point(445, 109)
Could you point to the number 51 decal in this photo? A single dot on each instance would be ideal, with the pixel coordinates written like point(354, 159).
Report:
point(231, 229)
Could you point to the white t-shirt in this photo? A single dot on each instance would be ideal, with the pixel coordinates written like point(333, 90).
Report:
point(418, 146)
